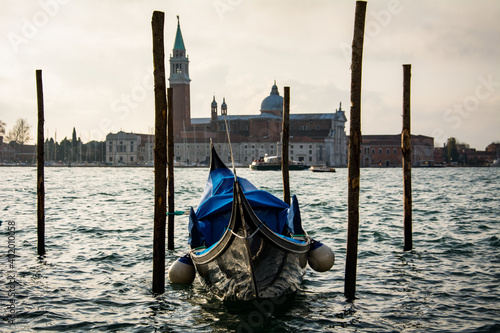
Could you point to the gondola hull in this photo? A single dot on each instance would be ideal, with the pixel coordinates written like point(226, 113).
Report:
point(241, 269)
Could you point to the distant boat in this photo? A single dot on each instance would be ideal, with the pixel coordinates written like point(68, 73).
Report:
point(321, 169)
point(274, 163)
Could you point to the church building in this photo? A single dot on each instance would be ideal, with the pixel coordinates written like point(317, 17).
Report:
point(315, 138)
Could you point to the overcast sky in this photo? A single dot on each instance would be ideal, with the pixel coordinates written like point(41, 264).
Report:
point(96, 58)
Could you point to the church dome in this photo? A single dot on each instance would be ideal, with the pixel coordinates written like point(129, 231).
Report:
point(273, 102)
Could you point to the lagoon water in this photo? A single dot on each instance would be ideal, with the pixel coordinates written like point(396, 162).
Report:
point(96, 275)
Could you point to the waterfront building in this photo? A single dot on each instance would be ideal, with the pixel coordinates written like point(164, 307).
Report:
point(439, 155)
point(473, 157)
point(129, 148)
point(466, 156)
point(7, 153)
point(495, 148)
point(315, 138)
point(385, 150)
point(15, 152)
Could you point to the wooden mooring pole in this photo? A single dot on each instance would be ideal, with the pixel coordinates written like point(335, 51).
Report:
point(170, 166)
point(406, 150)
point(284, 146)
point(40, 167)
point(354, 152)
point(160, 153)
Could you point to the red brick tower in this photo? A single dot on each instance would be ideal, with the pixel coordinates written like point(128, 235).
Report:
point(179, 81)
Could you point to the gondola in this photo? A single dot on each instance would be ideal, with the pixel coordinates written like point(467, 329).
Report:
point(246, 243)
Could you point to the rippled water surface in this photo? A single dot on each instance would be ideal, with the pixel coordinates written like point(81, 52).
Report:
point(96, 275)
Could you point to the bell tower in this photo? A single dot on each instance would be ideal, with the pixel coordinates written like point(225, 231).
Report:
point(179, 82)
point(214, 110)
point(223, 107)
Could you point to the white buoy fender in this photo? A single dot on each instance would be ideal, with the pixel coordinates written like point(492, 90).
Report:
point(182, 271)
point(320, 257)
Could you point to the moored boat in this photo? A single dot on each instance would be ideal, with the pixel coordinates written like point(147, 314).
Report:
point(322, 169)
point(274, 163)
point(246, 243)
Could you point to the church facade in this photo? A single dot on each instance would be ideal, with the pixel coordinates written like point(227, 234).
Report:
point(315, 138)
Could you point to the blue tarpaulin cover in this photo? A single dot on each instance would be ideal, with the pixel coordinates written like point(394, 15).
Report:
point(208, 223)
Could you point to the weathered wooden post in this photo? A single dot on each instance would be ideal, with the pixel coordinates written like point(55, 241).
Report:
point(354, 152)
point(40, 167)
point(170, 165)
point(284, 146)
point(406, 150)
point(160, 152)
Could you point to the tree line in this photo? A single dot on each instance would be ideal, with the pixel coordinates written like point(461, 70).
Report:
point(73, 150)
point(68, 150)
